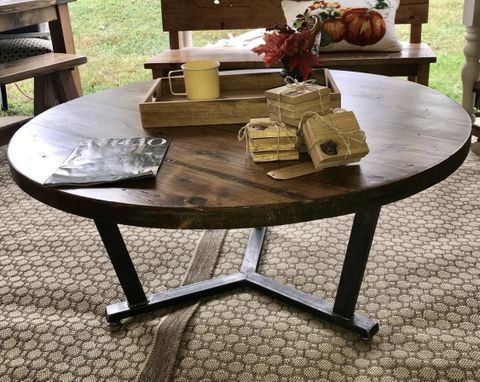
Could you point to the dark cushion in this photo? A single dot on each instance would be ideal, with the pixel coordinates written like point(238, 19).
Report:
point(12, 49)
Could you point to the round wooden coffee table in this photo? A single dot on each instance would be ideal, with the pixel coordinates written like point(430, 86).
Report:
point(417, 137)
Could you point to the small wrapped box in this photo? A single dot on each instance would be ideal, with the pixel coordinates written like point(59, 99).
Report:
point(297, 93)
point(334, 139)
point(269, 141)
point(289, 103)
point(273, 156)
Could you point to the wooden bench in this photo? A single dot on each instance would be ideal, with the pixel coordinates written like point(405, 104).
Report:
point(54, 83)
point(8, 127)
point(52, 74)
point(192, 15)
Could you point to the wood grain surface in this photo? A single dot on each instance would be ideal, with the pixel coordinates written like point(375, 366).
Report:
point(246, 14)
point(410, 53)
point(21, 13)
point(12, 6)
point(9, 125)
point(417, 137)
point(9, 21)
point(242, 97)
point(413, 61)
point(29, 67)
point(403, 63)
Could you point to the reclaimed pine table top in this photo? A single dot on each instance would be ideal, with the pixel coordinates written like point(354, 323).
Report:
point(417, 137)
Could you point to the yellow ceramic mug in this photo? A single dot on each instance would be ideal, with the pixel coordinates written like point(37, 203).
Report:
point(201, 79)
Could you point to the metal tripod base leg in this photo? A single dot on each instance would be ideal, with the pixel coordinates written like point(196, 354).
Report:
point(191, 292)
point(248, 276)
point(363, 326)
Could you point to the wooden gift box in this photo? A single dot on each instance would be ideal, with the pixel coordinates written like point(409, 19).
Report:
point(296, 111)
point(267, 142)
point(288, 103)
point(242, 97)
point(327, 146)
point(295, 95)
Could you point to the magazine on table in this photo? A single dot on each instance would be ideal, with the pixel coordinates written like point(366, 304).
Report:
point(108, 160)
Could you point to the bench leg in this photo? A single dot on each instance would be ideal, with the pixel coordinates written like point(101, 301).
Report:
point(65, 86)
point(157, 73)
point(43, 94)
point(53, 89)
point(62, 38)
point(3, 93)
point(423, 74)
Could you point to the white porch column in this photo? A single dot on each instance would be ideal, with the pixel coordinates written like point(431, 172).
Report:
point(471, 69)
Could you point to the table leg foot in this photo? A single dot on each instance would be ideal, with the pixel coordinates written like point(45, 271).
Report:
point(361, 325)
point(113, 323)
point(186, 293)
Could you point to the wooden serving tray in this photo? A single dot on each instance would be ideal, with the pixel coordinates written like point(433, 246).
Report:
point(242, 97)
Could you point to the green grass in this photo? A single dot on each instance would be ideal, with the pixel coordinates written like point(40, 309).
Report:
point(119, 36)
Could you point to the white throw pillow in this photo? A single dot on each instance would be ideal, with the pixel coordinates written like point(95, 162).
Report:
point(361, 25)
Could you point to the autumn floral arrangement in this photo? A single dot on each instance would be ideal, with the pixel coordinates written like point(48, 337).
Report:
point(292, 47)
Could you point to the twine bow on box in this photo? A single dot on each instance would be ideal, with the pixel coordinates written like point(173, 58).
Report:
point(329, 122)
point(326, 120)
point(243, 133)
point(290, 81)
point(293, 84)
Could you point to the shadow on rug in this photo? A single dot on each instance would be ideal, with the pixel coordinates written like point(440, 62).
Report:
point(422, 285)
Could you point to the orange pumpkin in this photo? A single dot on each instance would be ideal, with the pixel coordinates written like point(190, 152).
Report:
point(335, 28)
point(363, 26)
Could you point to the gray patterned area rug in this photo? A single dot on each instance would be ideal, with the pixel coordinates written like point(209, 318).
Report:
point(422, 285)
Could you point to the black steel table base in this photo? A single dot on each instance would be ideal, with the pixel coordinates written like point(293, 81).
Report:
point(341, 313)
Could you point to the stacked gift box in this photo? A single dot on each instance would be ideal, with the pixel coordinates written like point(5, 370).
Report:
point(334, 139)
point(301, 116)
point(268, 140)
point(289, 103)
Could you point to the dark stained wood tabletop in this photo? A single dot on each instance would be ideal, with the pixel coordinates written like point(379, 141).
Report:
point(417, 137)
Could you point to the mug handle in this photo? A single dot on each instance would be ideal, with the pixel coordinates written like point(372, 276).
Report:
point(170, 81)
